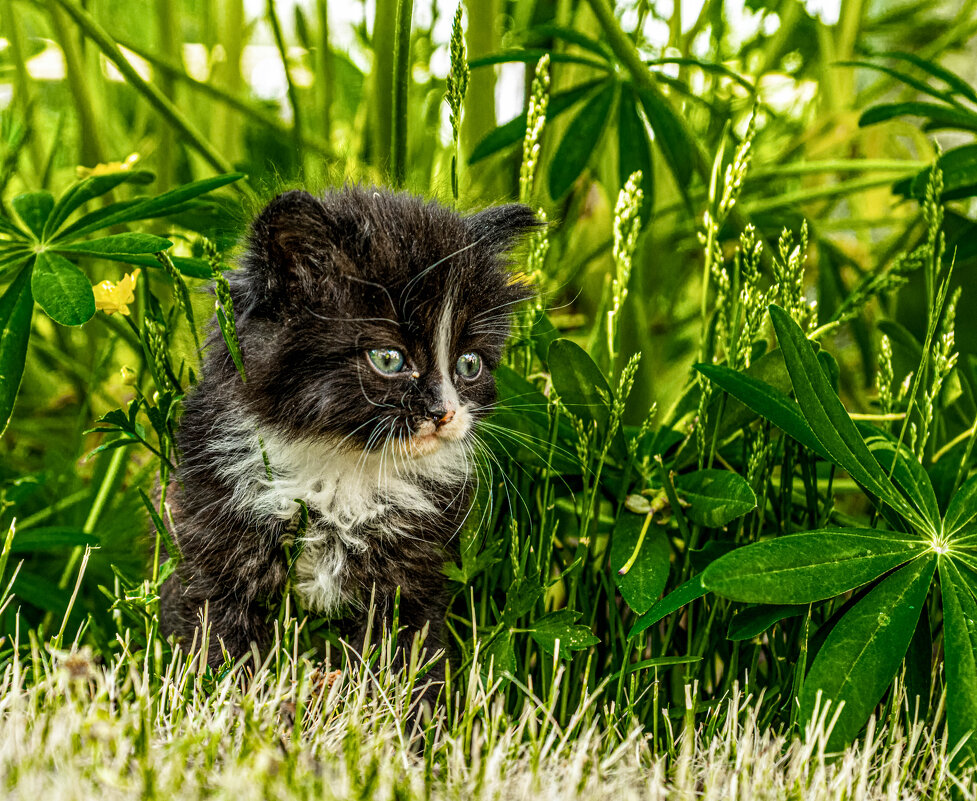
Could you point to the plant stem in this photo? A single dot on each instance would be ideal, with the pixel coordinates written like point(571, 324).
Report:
point(153, 95)
point(401, 85)
point(293, 98)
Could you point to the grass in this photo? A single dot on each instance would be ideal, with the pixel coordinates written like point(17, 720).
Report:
point(72, 727)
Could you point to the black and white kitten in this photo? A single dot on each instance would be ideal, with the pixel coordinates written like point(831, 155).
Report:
point(369, 323)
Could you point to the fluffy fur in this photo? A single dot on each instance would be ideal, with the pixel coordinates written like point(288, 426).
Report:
point(381, 462)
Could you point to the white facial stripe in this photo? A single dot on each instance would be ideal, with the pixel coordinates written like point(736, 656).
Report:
point(442, 351)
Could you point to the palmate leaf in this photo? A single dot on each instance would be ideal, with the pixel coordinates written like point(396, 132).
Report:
point(34, 208)
point(90, 188)
point(959, 661)
point(514, 130)
point(154, 206)
point(581, 138)
point(808, 567)
point(767, 401)
point(863, 651)
point(830, 421)
point(16, 310)
point(62, 290)
point(962, 508)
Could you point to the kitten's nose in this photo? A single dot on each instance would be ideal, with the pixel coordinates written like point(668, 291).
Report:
point(441, 416)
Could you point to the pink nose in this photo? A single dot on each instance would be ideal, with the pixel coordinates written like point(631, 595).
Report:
point(446, 418)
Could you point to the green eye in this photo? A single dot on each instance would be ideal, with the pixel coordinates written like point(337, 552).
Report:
point(469, 365)
point(387, 361)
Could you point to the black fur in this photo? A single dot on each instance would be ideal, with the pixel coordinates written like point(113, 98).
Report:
point(323, 280)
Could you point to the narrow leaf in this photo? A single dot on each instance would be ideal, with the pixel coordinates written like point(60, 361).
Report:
point(670, 136)
point(580, 140)
point(579, 381)
point(830, 421)
point(962, 508)
point(960, 662)
point(807, 567)
point(754, 620)
point(634, 146)
point(47, 537)
point(862, 653)
point(92, 187)
point(34, 208)
point(16, 310)
point(676, 599)
point(117, 244)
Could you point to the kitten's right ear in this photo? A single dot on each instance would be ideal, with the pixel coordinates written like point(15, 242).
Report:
point(282, 240)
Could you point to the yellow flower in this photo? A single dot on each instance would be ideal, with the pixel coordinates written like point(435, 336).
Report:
point(111, 297)
point(108, 169)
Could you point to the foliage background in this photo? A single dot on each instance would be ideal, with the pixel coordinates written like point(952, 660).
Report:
point(304, 94)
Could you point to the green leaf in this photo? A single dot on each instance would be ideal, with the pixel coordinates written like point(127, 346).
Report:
point(579, 382)
point(939, 116)
point(562, 626)
point(807, 567)
point(645, 580)
point(580, 140)
point(909, 80)
point(541, 33)
point(634, 146)
point(754, 620)
point(117, 244)
point(501, 654)
point(194, 268)
point(16, 310)
point(161, 204)
point(908, 474)
point(829, 420)
point(960, 661)
point(962, 507)
point(514, 130)
point(766, 401)
point(45, 537)
point(520, 599)
point(716, 497)
point(954, 81)
point(62, 290)
point(670, 136)
point(676, 599)
point(959, 168)
point(34, 208)
point(864, 650)
point(92, 187)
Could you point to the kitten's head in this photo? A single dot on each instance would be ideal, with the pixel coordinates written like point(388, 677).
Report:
point(374, 319)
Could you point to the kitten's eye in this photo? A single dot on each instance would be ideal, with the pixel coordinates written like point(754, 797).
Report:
point(387, 361)
point(469, 365)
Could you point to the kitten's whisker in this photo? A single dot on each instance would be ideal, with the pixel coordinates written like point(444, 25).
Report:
point(406, 291)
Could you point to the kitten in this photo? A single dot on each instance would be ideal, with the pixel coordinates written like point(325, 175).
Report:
point(369, 323)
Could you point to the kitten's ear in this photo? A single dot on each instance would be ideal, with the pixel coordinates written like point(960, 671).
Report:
point(500, 227)
point(283, 237)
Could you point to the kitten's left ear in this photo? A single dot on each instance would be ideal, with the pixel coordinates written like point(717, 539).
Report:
point(500, 227)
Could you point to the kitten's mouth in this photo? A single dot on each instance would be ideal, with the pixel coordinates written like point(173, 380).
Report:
point(429, 438)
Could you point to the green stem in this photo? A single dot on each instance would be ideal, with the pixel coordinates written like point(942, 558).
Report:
point(293, 98)
point(98, 505)
point(151, 93)
point(401, 84)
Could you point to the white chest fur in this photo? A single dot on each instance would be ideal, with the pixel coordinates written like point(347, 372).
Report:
point(352, 496)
